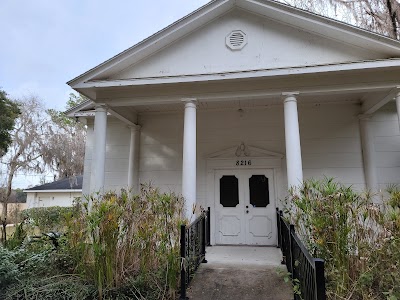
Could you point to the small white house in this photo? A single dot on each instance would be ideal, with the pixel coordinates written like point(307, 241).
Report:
point(237, 102)
point(58, 193)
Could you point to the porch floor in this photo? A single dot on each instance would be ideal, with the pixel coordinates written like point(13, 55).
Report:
point(240, 272)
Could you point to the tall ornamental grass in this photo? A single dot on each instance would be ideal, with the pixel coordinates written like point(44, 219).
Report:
point(359, 239)
point(125, 247)
point(127, 242)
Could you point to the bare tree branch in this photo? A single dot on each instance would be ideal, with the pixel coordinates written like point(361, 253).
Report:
point(381, 16)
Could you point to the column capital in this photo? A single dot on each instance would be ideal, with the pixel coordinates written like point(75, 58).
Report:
point(189, 101)
point(100, 107)
point(289, 96)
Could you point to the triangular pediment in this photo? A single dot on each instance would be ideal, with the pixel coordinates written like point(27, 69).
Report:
point(244, 151)
point(243, 41)
point(277, 37)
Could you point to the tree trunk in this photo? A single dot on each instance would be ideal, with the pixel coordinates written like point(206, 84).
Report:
point(4, 205)
point(393, 18)
point(6, 198)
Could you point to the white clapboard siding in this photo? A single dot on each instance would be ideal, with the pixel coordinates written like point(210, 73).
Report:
point(387, 145)
point(88, 158)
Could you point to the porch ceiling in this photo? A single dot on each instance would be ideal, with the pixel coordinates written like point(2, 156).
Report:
point(250, 103)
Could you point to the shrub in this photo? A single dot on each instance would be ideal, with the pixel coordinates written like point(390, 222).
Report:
point(62, 287)
point(8, 269)
point(17, 237)
point(359, 240)
point(47, 218)
point(27, 266)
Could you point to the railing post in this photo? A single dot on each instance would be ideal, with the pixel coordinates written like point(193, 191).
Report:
point(291, 262)
point(320, 278)
point(183, 263)
point(203, 238)
point(281, 240)
point(208, 227)
point(278, 224)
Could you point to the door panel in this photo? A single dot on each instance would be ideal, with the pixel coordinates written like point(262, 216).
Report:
point(260, 199)
point(229, 208)
point(245, 207)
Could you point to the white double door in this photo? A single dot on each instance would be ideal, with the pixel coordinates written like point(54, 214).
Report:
point(245, 207)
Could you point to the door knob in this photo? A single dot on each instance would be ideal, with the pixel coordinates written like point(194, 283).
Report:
point(247, 206)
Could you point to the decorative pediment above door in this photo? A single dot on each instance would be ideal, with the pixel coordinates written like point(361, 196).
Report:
point(244, 151)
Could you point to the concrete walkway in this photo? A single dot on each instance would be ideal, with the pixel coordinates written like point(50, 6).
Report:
point(240, 273)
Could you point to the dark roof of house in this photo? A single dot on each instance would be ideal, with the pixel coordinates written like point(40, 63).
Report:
point(73, 183)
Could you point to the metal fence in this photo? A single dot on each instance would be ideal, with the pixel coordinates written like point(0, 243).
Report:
point(194, 239)
point(307, 272)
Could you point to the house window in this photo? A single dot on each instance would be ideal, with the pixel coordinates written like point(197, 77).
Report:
point(259, 191)
point(229, 191)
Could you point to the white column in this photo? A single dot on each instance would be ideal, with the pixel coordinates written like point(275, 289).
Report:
point(398, 106)
point(292, 138)
point(133, 165)
point(189, 157)
point(368, 151)
point(99, 149)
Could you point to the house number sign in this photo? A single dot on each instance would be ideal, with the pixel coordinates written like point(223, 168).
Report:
point(243, 162)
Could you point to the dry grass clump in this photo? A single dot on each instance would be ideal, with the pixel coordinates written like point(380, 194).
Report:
point(127, 242)
point(125, 247)
point(358, 239)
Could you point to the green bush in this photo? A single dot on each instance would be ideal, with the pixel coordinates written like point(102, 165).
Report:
point(47, 218)
point(17, 237)
point(358, 239)
point(25, 266)
point(9, 273)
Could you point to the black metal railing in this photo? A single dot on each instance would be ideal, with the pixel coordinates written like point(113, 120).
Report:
point(208, 227)
point(194, 239)
point(307, 272)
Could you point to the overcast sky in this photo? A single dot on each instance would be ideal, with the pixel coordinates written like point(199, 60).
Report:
point(45, 43)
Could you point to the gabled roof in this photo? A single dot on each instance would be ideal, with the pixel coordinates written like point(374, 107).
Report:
point(273, 10)
point(67, 184)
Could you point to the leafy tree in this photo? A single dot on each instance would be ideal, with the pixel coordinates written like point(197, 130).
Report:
point(9, 111)
point(28, 143)
point(59, 117)
point(66, 141)
point(42, 139)
point(381, 16)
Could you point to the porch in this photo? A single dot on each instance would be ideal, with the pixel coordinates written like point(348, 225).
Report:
point(240, 272)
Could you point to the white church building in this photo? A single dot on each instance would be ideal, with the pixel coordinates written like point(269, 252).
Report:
point(238, 101)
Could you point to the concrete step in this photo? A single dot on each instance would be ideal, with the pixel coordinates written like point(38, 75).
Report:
point(240, 273)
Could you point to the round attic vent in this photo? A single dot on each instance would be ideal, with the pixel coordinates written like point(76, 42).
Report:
point(236, 40)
